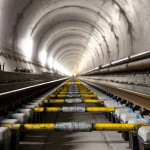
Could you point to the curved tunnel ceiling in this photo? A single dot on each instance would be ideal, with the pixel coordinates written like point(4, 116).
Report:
point(78, 35)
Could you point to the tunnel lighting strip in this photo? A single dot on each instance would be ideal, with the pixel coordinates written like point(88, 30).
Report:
point(76, 127)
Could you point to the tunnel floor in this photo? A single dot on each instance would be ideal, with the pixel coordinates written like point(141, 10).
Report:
point(96, 140)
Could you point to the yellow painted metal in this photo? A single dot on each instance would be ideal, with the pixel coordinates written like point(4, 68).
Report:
point(53, 109)
point(12, 126)
point(137, 126)
point(48, 109)
point(96, 127)
point(31, 127)
point(78, 82)
point(117, 127)
point(88, 109)
point(114, 127)
point(45, 101)
point(39, 109)
point(63, 101)
point(57, 95)
point(63, 93)
point(86, 92)
point(89, 95)
point(61, 96)
point(52, 96)
point(100, 109)
point(34, 127)
point(92, 101)
point(57, 101)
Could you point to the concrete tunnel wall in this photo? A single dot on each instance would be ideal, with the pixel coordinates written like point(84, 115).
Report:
point(78, 35)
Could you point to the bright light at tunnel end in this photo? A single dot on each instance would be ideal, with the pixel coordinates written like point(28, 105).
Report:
point(61, 69)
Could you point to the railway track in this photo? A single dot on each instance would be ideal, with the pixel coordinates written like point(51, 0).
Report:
point(51, 121)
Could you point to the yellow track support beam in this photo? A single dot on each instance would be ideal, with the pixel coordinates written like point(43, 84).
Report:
point(74, 109)
point(117, 127)
point(54, 101)
point(53, 109)
point(48, 109)
point(57, 101)
point(92, 101)
point(58, 96)
point(63, 93)
point(61, 96)
point(100, 109)
point(89, 96)
point(52, 96)
point(31, 127)
point(45, 101)
point(63, 101)
point(10, 126)
point(75, 127)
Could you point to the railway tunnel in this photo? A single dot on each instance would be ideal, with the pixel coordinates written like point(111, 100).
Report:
point(74, 74)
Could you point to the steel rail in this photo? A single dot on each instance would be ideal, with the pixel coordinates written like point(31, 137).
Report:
point(140, 99)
